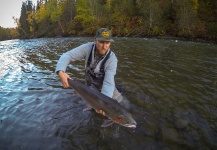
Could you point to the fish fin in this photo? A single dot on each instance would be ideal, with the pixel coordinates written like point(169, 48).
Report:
point(107, 123)
point(88, 108)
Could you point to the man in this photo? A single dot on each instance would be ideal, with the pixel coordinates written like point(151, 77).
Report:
point(100, 64)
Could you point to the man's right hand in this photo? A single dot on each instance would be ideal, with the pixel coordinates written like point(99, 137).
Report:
point(64, 78)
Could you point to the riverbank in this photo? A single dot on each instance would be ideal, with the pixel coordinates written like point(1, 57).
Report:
point(201, 40)
point(165, 37)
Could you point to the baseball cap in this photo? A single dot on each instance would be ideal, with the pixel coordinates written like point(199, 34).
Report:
point(104, 34)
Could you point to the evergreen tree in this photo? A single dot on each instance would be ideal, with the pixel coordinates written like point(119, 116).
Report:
point(23, 23)
point(185, 18)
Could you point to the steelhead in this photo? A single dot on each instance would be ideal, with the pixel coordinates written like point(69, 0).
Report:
point(98, 101)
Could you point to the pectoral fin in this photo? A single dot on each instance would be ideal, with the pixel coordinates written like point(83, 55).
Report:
point(88, 108)
point(107, 123)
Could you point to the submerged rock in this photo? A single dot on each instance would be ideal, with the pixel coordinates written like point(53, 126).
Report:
point(181, 124)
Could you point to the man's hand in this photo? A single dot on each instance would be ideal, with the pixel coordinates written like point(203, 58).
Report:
point(100, 112)
point(63, 78)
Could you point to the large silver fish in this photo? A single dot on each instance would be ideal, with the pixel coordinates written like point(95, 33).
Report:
point(98, 101)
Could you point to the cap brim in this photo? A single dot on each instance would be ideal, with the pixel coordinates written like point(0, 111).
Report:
point(104, 39)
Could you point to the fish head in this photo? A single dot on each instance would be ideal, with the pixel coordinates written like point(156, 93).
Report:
point(125, 121)
point(130, 124)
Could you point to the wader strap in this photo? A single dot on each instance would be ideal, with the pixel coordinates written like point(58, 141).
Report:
point(90, 56)
point(104, 61)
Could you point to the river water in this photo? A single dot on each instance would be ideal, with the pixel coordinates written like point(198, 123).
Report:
point(171, 86)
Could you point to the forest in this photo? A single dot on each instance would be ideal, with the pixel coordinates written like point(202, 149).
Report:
point(184, 19)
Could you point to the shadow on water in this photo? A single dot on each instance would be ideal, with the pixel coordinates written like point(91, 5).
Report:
point(171, 87)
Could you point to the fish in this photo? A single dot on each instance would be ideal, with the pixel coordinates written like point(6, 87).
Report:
point(114, 111)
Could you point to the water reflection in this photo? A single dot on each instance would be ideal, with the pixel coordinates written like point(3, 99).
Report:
point(171, 86)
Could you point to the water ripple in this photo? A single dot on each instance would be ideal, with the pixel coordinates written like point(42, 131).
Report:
point(171, 86)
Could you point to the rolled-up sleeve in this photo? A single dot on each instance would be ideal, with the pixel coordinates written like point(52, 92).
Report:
point(77, 53)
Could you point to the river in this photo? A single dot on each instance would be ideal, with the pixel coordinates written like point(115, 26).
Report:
point(171, 86)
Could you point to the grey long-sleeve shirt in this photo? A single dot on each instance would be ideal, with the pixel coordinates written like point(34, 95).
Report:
point(83, 52)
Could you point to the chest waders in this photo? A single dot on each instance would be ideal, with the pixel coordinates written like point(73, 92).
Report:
point(95, 78)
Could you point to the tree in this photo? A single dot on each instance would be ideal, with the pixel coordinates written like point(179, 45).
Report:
point(68, 10)
point(152, 16)
point(186, 17)
point(85, 16)
point(54, 11)
point(207, 12)
point(24, 25)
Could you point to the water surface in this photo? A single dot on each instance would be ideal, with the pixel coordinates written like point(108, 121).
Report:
point(171, 87)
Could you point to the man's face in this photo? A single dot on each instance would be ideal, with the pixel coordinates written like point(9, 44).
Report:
point(102, 46)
